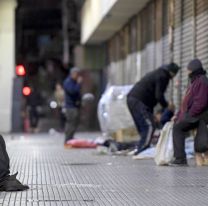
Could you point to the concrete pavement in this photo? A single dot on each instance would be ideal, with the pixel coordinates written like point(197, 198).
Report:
point(58, 176)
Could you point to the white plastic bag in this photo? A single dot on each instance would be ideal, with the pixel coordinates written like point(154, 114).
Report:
point(164, 148)
point(113, 113)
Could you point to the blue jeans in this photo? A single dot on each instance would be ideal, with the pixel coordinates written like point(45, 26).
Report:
point(144, 121)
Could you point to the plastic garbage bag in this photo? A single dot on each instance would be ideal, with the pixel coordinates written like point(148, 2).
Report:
point(164, 148)
point(113, 113)
point(81, 143)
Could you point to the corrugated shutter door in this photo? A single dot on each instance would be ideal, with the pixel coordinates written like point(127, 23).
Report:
point(127, 49)
point(150, 47)
point(147, 40)
point(202, 31)
point(144, 65)
point(187, 41)
point(165, 41)
point(177, 50)
point(158, 33)
point(131, 58)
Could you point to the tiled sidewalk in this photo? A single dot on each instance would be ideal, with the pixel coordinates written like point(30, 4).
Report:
point(62, 177)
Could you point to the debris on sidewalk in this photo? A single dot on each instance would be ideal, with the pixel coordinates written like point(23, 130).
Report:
point(150, 153)
point(81, 143)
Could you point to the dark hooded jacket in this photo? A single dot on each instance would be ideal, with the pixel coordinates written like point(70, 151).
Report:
point(195, 101)
point(151, 88)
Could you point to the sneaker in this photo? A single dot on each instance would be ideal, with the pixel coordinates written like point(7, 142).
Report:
point(179, 163)
point(11, 184)
point(113, 147)
point(122, 152)
point(132, 153)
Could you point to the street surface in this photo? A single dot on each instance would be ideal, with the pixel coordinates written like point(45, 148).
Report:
point(74, 177)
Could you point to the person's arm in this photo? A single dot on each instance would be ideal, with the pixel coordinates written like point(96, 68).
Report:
point(161, 85)
point(200, 100)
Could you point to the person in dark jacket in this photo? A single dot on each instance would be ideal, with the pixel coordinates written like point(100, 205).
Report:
point(72, 89)
point(34, 100)
point(194, 104)
point(144, 96)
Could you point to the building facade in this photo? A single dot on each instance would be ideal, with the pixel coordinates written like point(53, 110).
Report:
point(142, 35)
point(7, 62)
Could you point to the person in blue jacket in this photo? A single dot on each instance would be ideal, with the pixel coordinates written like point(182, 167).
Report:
point(72, 89)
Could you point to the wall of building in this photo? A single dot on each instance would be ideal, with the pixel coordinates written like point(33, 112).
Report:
point(90, 57)
point(164, 31)
point(7, 61)
point(92, 13)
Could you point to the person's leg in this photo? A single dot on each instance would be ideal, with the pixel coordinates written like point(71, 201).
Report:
point(76, 120)
point(62, 119)
point(144, 122)
point(72, 119)
point(36, 118)
point(179, 134)
point(33, 118)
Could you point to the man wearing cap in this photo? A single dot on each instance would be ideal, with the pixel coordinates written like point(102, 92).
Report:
point(144, 96)
point(72, 88)
point(192, 110)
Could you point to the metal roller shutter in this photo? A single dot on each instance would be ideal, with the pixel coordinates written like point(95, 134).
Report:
point(165, 39)
point(202, 31)
point(158, 33)
point(150, 47)
point(187, 41)
point(177, 50)
point(147, 39)
point(126, 53)
point(166, 43)
point(144, 65)
point(132, 69)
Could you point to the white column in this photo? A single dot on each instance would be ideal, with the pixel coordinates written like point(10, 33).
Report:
point(7, 61)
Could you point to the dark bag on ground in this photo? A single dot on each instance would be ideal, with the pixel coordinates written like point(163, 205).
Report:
point(201, 139)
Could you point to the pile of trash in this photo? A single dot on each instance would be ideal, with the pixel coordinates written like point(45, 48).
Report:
point(150, 153)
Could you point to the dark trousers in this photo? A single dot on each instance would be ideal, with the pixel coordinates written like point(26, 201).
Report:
point(72, 122)
point(144, 121)
point(4, 159)
point(180, 132)
point(62, 118)
point(34, 117)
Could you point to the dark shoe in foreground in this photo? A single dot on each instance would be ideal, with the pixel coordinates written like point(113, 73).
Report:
point(11, 184)
point(179, 163)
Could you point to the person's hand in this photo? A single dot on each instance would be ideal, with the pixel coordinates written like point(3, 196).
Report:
point(174, 118)
point(171, 106)
point(79, 80)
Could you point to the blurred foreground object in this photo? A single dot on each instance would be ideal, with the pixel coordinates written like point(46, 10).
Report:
point(8, 182)
point(88, 97)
